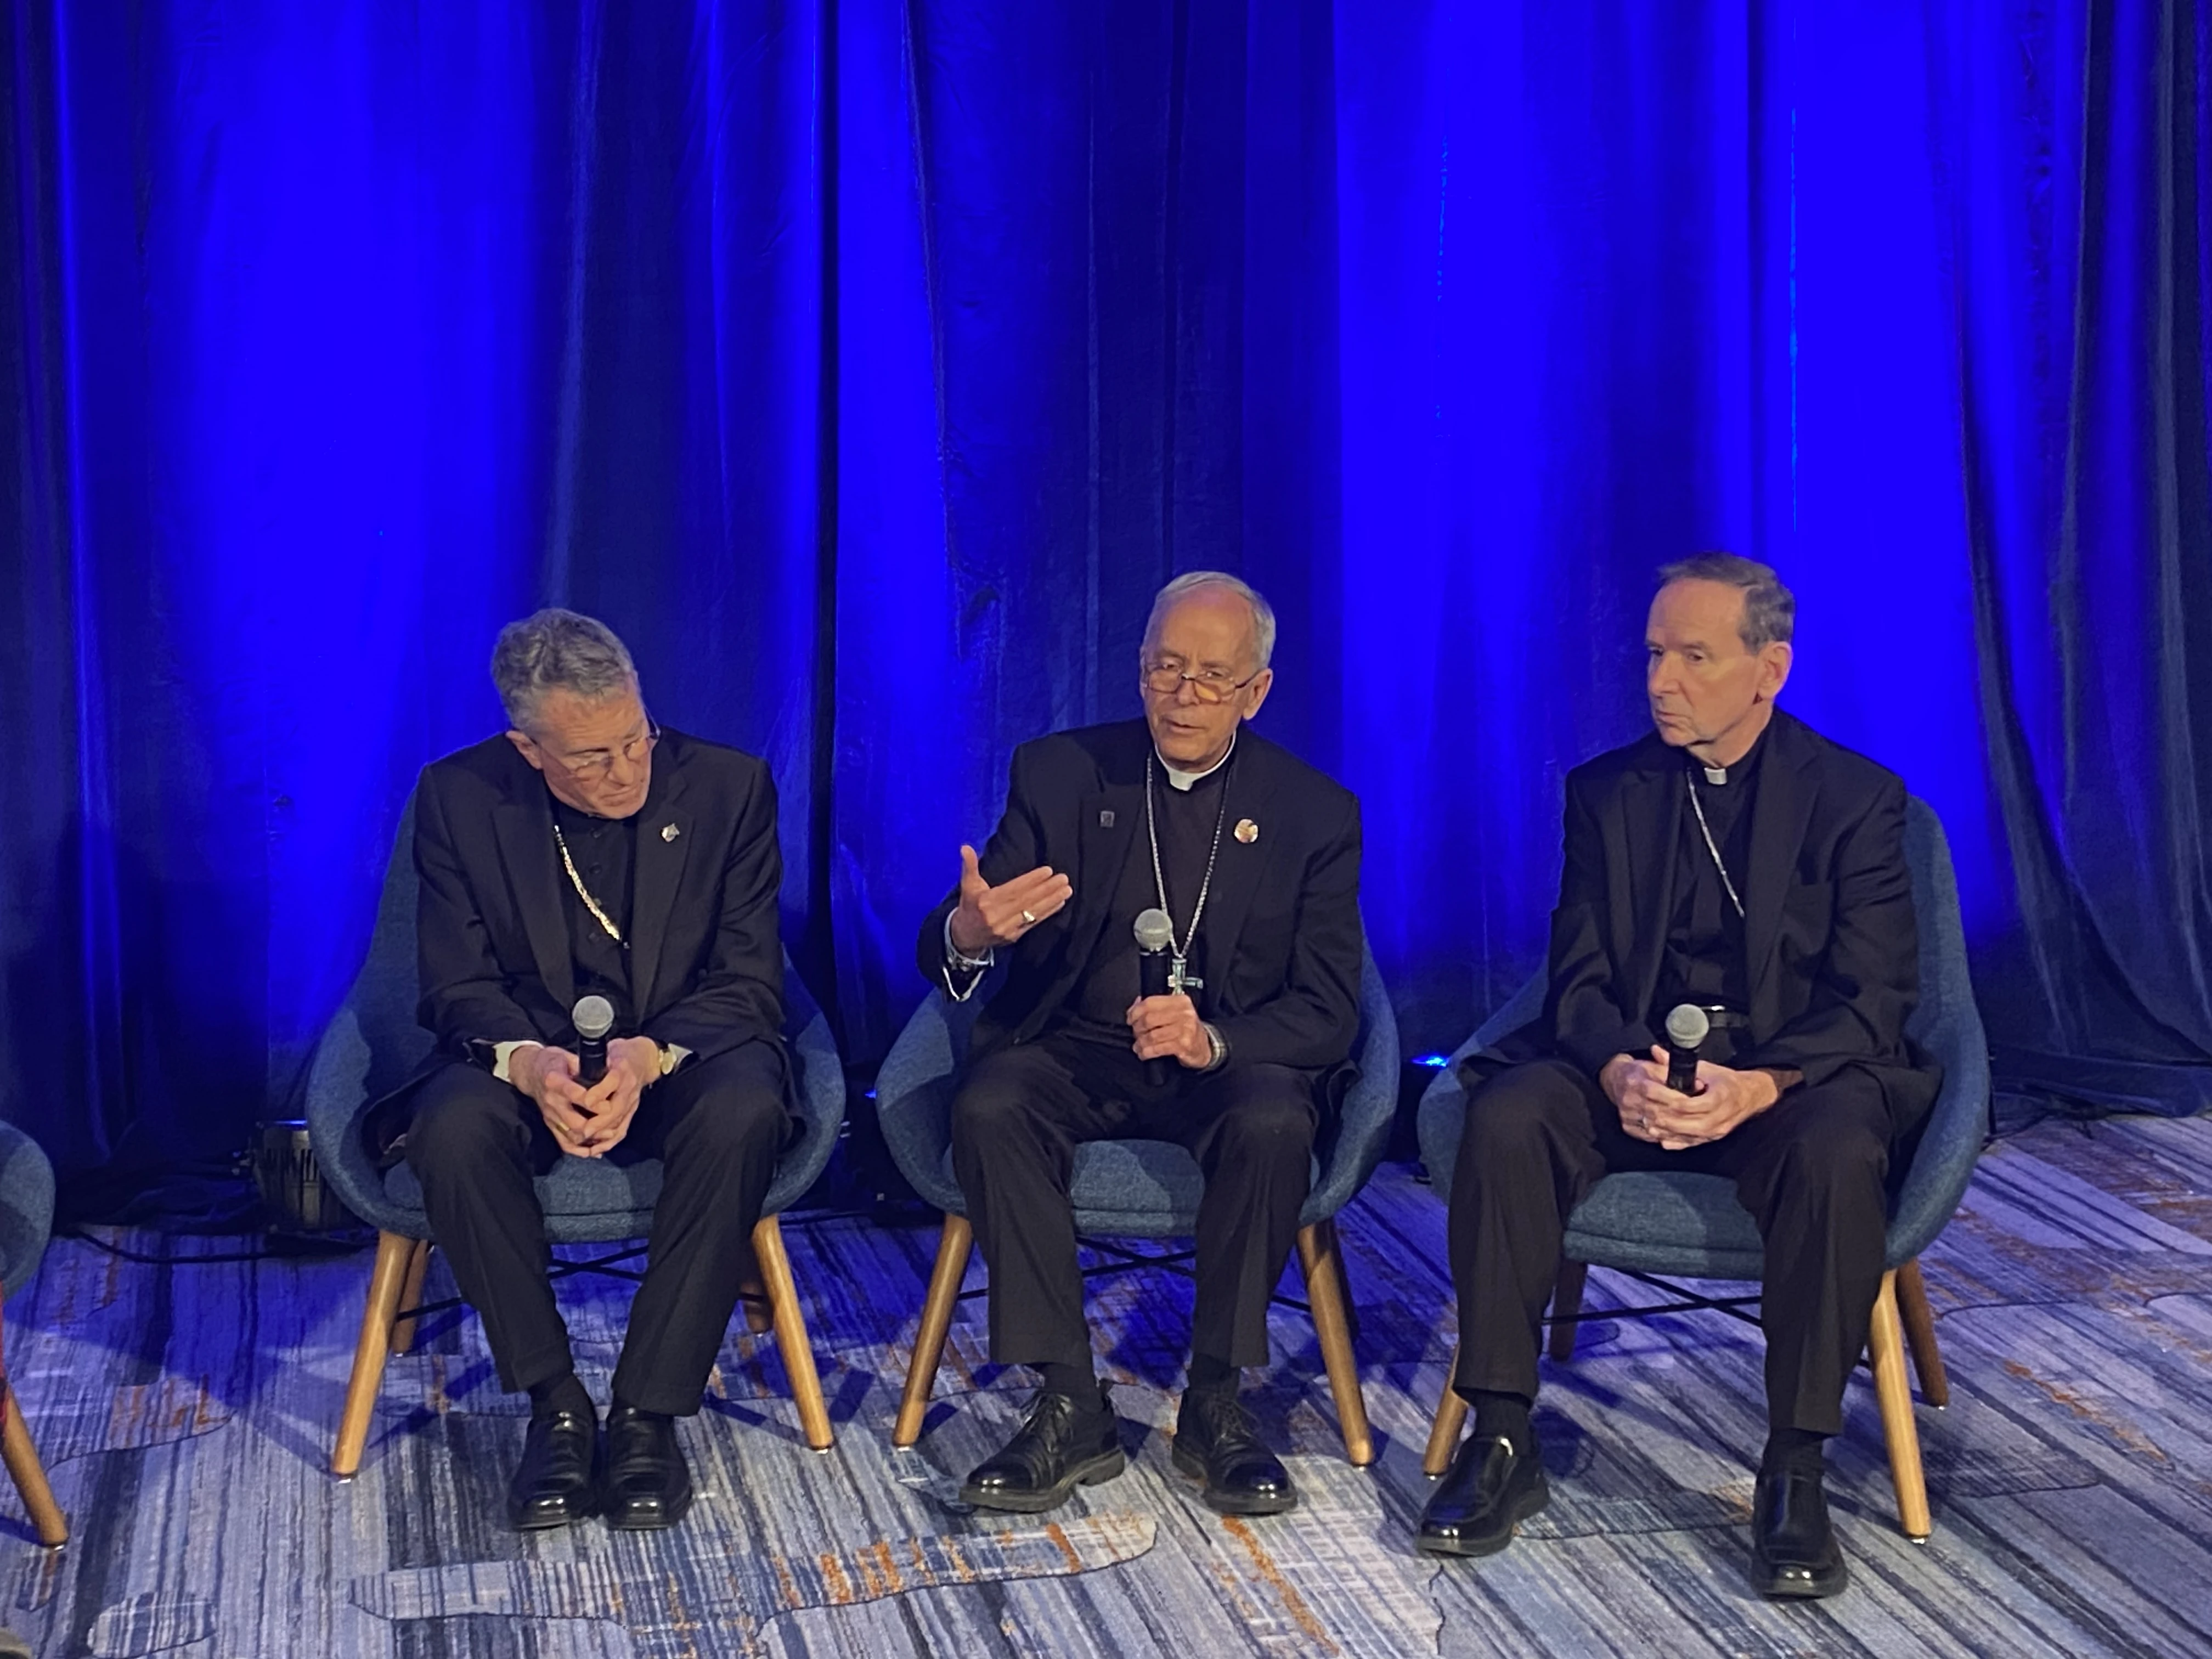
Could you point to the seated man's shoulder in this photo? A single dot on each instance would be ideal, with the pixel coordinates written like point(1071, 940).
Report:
point(1083, 756)
point(1298, 774)
point(1846, 769)
point(490, 766)
point(701, 758)
point(1601, 775)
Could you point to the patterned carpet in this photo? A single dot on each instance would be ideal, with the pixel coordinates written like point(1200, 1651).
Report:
point(186, 1415)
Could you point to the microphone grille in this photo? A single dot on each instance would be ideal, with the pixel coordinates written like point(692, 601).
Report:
point(1154, 931)
point(594, 1018)
point(1686, 1025)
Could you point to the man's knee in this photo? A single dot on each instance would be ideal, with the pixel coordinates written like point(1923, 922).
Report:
point(1270, 1117)
point(1516, 1110)
point(462, 1115)
point(740, 1114)
point(1826, 1148)
point(994, 1102)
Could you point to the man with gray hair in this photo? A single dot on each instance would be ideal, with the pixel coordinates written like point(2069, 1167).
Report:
point(589, 866)
point(1253, 858)
point(1736, 874)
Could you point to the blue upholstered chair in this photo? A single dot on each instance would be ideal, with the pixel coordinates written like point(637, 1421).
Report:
point(26, 1220)
point(1134, 1188)
point(1690, 1226)
point(371, 1046)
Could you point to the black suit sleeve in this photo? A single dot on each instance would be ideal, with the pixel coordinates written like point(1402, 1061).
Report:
point(1869, 979)
point(738, 995)
point(1016, 848)
point(1312, 1021)
point(1588, 1025)
point(464, 993)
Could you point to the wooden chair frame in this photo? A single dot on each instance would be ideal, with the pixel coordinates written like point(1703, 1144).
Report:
point(1901, 1320)
point(394, 1310)
point(1319, 1257)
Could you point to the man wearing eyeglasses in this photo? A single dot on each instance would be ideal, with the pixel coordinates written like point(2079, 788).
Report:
point(587, 852)
point(1254, 858)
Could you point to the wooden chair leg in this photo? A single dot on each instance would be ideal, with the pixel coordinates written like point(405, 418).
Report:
point(791, 1334)
point(1324, 1291)
point(753, 1297)
point(1343, 1281)
point(1451, 1420)
point(411, 1295)
point(29, 1474)
point(1920, 1335)
point(954, 1246)
point(385, 1280)
point(1566, 1303)
point(1886, 1348)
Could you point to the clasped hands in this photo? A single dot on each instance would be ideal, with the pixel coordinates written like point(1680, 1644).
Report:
point(1652, 1112)
point(987, 916)
point(587, 1123)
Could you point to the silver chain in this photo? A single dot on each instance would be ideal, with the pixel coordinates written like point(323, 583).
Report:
point(1160, 881)
point(1699, 807)
point(584, 892)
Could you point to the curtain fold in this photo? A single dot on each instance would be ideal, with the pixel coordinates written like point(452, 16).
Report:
point(868, 363)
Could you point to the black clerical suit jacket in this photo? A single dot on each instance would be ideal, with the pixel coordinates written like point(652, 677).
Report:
point(1280, 946)
point(1831, 945)
point(495, 962)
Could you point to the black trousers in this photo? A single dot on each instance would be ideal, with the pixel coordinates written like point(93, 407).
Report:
point(1811, 1170)
point(1019, 1117)
point(717, 1125)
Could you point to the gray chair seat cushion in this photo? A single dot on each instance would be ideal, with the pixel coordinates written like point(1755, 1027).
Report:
point(1666, 1223)
point(577, 1186)
point(1143, 1188)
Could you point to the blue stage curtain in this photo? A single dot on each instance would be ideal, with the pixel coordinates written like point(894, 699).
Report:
point(868, 363)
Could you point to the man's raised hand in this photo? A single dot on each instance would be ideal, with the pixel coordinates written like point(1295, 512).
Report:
point(988, 917)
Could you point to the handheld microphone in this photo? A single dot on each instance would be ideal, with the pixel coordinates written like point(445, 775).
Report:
point(594, 1018)
point(1688, 1028)
point(1155, 938)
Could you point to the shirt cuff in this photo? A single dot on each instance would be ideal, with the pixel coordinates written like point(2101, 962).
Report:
point(959, 965)
point(502, 1052)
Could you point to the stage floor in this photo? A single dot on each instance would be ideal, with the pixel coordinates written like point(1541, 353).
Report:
point(186, 1415)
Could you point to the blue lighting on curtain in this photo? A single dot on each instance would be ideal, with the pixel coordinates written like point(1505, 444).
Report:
point(869, 364)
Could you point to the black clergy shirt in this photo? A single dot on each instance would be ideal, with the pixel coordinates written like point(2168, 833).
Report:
point(1099, 1005)
point(603, 851)
point(1705, 959)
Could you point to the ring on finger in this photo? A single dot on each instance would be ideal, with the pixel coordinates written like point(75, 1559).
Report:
point(1028, 920)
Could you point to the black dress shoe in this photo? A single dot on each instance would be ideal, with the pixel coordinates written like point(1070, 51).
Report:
point(1793, 1549)
point(1488, 1489)
point(1059, 1446)
point(648, 1484)
point(1215, 1437)
point(557, 1480)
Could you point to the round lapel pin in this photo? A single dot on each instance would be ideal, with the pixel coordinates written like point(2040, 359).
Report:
point(1247, 831)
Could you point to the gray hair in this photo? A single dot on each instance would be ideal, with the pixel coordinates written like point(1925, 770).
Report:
point(556, 650)
point(1769, 610)
point(1263, 614)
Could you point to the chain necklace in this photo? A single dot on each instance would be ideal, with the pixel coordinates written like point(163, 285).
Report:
point(585, 893)
point(1179, 980)
point(1712, 846)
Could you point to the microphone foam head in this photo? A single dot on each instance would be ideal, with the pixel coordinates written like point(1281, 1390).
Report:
point(1154, 931)
point(1687, 1025)
point(594, 1017)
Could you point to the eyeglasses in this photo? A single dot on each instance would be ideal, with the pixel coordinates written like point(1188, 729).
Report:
point(1164, 677)
point(599, 763)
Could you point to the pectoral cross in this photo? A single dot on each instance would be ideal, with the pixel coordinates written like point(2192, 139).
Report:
point(1181, 983)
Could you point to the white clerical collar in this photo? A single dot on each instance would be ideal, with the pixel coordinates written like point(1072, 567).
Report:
point(1178, 779)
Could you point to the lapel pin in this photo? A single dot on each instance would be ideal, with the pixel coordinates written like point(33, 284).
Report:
point(1106, 819)
point(669, 832)
point(1247, 831)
